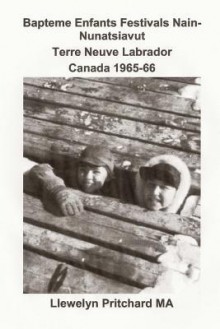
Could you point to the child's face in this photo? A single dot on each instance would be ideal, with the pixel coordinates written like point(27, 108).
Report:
point(157, 195)
point(91, 178)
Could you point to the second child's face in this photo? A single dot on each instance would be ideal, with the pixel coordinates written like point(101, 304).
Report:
point(91, 178)
point(157, 195)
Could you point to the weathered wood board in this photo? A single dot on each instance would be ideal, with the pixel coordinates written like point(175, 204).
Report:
point(159, 85)
point(93, 246)
point(119, 94)
point(135, 130)
point(72, 134)
point(164, 222)
point(117, 144)
point(111, 108)
point(109, 263)
point(38, 271)
point(100, 229)
point(188, 80)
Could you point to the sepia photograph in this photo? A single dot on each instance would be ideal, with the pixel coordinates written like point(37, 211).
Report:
point(111, 173)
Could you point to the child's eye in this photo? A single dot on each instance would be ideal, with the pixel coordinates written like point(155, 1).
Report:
point(167, 187)
point(96, 172)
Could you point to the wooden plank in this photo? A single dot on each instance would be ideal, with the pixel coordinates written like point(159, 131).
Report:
point(112, 108)
point(116, 144)
point(188, 80)
point(99, 229)
point(171, 223)
point(190, 205)
point(119, 94)
point(161, 85)
point(103, 261)
point(141, 131)
point(39, 269)
point(43, 149)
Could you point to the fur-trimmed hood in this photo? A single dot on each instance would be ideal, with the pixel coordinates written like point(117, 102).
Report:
point(184, 185)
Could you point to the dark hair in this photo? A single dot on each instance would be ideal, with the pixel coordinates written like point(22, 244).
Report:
point(162, 171)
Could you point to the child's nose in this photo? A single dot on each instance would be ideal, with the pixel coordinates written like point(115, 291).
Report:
point(89, 175)
point(156, 190)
